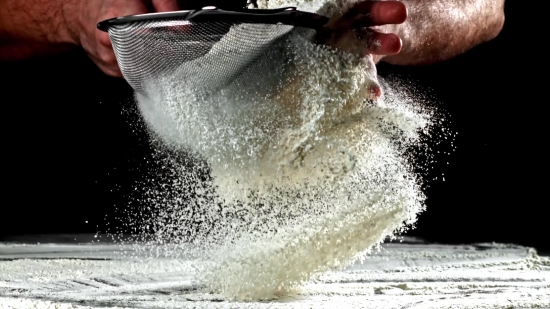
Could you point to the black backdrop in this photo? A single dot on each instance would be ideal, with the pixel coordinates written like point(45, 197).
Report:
point(70, 157)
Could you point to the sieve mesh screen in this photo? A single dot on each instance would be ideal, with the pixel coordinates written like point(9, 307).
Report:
point(210, 51)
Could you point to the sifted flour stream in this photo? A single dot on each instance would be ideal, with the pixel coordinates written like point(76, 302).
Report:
point(303, 173)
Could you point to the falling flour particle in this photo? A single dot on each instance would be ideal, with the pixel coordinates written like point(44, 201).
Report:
point(289, 171)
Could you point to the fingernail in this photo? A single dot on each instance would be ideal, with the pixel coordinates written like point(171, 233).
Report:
point(392, 12)
point(396, 12)
point(375, 92)
point(393, 43)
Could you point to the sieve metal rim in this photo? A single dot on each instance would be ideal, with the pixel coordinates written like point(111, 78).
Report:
point(285, 16)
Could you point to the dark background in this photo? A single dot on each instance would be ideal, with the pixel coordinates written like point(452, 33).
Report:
point(71, 156)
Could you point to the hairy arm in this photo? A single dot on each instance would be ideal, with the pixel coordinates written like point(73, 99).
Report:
point(32, 27)
point(437, 30)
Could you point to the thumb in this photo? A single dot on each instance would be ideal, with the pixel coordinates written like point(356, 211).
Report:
point(371, 87)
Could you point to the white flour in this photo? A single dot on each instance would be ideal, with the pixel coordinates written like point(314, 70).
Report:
point(294, 181)
point(412, 275)
point(307, 175)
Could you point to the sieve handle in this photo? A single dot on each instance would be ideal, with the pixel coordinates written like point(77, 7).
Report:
point(287, 16)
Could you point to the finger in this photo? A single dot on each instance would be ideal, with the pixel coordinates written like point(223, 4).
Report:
point(107, 68)
point(117, 9)
point(165, 5)
point(103, 39)
point(375, 13)
point(373, 90)
point(113, 72)
point(105, 59)
point(379, 43)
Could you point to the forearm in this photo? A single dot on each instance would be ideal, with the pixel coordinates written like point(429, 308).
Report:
point(437, 30)
point(33, 27)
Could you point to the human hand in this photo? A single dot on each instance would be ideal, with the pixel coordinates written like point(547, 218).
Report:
point(83, 16)
point(366, 23)
point(363, 30)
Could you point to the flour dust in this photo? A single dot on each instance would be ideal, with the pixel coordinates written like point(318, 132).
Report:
point(287, 172)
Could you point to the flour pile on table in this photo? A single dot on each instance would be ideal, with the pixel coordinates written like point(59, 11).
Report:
point(294, 171)
point(400, 275)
